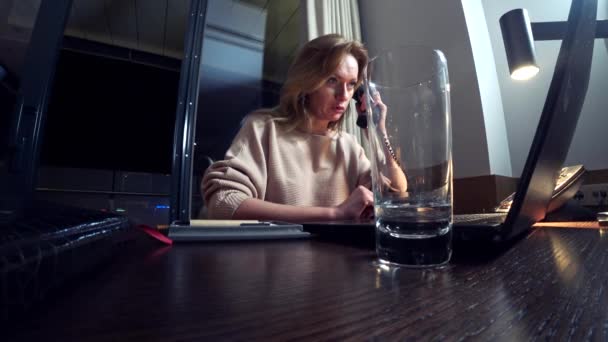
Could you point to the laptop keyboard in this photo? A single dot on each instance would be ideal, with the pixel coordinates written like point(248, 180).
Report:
point(57, 223)
point(480, 218)
point(48, 244)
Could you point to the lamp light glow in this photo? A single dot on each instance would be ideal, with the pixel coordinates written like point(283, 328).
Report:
point(525, 72)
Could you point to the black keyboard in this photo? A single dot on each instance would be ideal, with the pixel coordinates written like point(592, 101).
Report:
point(46, 245)
point(490, 218)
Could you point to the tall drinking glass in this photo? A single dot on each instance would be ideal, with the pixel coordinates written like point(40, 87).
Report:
point(409, 127)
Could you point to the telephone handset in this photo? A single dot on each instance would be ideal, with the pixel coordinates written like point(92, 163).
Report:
point(568, 182)
point(362, 118)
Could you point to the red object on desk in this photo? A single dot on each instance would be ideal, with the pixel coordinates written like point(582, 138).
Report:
point(155, 234)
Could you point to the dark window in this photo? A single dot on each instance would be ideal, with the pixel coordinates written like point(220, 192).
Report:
point(110, 114)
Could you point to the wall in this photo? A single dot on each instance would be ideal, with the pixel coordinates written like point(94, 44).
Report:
point(441, 24)
point(231, 74)
point(231, 81)
point(523, 101)
point(487, 78)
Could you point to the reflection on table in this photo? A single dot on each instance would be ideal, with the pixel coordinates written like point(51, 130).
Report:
point(550, 284)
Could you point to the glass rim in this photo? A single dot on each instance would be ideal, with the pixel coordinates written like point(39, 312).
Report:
point(385, 51)
point(412, 85)
point(431, 76)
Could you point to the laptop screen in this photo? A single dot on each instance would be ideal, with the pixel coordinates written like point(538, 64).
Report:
point(558, 119)
point(16, 23)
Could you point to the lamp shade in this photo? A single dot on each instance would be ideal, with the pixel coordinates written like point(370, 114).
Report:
point(519, 44)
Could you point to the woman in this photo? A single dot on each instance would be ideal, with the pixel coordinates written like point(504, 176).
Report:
point(293, 163)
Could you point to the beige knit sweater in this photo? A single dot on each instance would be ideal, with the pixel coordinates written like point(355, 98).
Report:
point(295, 168)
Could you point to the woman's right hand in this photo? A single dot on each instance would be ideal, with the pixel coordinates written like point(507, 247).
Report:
point(357, 205)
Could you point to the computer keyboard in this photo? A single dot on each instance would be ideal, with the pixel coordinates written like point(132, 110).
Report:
point(480, 218)
point(46, 245)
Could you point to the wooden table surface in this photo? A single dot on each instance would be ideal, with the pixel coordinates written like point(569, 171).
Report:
point(550, 285)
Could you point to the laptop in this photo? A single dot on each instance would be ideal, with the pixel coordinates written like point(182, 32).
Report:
point(549, 149)
point(42, 245)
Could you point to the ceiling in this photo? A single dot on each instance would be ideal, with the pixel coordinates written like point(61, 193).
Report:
point(154, 26)
point(158, 26)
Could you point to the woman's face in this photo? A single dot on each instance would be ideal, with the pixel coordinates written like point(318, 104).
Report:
point(328, 103)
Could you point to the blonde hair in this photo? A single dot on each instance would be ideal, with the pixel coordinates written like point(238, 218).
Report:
point(316, 61)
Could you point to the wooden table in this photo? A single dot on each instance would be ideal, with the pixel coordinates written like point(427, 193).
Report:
point(550, 285)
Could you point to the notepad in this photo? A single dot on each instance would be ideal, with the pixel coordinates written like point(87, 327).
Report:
point(225, 230)
point(225, 223)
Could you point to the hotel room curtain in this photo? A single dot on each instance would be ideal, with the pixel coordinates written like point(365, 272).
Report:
point(335, 16)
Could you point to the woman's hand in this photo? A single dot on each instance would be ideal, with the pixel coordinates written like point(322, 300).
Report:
point(395, 175)
point(376, 102)
point(358, 205)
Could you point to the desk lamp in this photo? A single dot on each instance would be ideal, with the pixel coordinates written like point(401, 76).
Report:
point(519, 36)
point(519, 44)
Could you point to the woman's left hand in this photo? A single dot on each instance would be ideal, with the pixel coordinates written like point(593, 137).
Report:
point(376, 102)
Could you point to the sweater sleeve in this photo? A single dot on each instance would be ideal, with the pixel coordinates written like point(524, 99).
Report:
point(242, 174)
point(365, 170)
